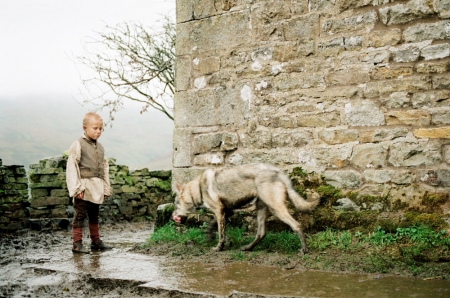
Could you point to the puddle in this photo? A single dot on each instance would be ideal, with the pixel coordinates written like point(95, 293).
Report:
point(44, 271)
point(226, 279)
point(245, 278)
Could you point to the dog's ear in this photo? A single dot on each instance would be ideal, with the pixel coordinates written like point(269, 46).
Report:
point(176, 187)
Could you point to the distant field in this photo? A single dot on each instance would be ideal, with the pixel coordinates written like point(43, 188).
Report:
point(35, 128)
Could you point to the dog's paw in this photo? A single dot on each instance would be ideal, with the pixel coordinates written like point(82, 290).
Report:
point(216, 248)
point(302, 251)
point(246, 248)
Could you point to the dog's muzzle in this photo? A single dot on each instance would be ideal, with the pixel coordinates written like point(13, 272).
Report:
point(180, 219)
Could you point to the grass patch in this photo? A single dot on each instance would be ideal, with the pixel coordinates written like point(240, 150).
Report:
point(417, 250)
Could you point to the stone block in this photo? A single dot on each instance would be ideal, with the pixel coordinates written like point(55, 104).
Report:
point(331, 47)
point(432, 67)
point(235, 105)
point(442, 7)
point(369, 156)
point(405, 12)
point(349, 76)
point(440, 116)
point(203, 9)
point(257, 139)
point(383, 72)
point(302, 28)
point(229, 141)
point(411, 84)
point(365, 22)
point(396, 100)
point(38, 193)
point(435, 177)
point(414, 154)
point(59, 193)
point(446, 153)
point(338, 136)
point(378, 176)
point(321, 5)
point(427, 31)
point(132, 189)
point(433, 133)
point(128, 196)
point(183, 73)
point(184, 11)
point(48, 184)
point(207, 65)
point(161, 174)
point(382, 38)
point(59, 212)
point(430, 99)
point(408, 117)
point(49, 201)
point(181, 148)
point(409, 52)
point(343, 179)
point(126, 210)
point(214, 33)
point(433, 52)
point(320, 157)
point(441, 81)
point(382, 134)
point(195, 108)
point(293, 138)
point(206, 142)
point(40, 213)
point(318, 120)
point(209, 159)
point(363, 113)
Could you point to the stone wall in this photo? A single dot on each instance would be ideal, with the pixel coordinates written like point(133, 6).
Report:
point(13, 197)
point(26, 201)
point(356, 90)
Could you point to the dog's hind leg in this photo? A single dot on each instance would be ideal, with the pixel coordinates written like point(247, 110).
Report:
point(261, 216)
point(275, 199)
point(283, 214)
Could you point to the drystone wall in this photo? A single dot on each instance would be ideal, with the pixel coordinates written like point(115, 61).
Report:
point(356, 90)
point(40, 197)
point(13, 196)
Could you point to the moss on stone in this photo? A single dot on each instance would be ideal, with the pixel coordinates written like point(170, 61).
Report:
point(432, 220)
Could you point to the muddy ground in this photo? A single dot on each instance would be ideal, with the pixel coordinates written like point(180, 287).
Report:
point(41, 264)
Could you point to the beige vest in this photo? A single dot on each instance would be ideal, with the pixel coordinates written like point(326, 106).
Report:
point(91, 161)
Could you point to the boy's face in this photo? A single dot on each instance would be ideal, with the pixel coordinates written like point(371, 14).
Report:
point(93, 128)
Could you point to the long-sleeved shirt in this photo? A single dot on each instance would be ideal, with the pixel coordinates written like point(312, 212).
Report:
point(95, 189)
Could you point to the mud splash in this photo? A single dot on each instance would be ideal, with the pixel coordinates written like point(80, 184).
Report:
point(44, 266)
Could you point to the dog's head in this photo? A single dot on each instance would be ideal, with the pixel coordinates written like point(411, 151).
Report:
point(184, 201)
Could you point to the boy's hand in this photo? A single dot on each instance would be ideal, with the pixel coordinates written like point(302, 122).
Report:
point(80, 195)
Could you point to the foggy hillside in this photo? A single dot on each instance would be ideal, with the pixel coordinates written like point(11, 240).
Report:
point(39, 127)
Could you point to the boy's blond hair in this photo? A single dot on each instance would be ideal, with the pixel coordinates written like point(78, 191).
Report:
point(89, 116)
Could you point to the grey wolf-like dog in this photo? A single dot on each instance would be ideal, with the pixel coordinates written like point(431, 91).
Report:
point(223, 189)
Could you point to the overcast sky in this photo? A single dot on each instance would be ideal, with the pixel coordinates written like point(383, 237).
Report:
point(38, 38)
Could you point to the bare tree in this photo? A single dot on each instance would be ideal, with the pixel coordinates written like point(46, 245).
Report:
point(130, 62)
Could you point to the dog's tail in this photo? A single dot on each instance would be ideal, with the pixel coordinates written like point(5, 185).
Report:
point(299, 202)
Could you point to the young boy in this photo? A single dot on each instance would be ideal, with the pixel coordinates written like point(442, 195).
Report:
point(87, 177)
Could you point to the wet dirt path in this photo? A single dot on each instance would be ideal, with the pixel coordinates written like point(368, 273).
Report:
point(52, 270)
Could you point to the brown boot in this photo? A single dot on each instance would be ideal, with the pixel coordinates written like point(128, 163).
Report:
point(79, 248)
point(99, 245)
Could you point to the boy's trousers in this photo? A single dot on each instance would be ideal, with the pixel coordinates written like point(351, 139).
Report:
point(85, 209)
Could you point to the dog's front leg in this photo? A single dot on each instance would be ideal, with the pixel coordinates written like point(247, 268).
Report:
point(220, 217)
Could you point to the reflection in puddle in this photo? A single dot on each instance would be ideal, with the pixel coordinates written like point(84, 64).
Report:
point(242, 277)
